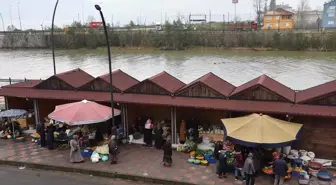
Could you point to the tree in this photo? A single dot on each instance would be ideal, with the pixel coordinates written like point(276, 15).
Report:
point(265, 8)
point(11, 28)
point(131, 24)
point(272, 5)
point(258, 8)
point(302, 8)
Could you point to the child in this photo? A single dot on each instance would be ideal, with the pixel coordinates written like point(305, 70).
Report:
point(167, 154)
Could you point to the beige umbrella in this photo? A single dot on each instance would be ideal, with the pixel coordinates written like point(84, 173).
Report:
point(260, 130)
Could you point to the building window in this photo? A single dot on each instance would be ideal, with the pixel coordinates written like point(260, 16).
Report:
point(269, 18)
point(331, 14)
point(269, 25)
point(286, 24)
point(332, 7)
point(277, 17)
point(277, 24)
point(331, 22)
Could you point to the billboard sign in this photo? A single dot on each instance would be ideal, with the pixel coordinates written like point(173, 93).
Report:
point(95, 24)
point(235, 1)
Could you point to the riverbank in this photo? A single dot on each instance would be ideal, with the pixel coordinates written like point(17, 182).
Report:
point(180, 40)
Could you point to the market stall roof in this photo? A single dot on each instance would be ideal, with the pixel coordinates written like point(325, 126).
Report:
point(161, 100)
point(167, 81)
point(75, 78)
point(120, 80)
point(13, 113)
point(211, 80)
point(261, 130)
point(319, 91)
point(81, 113)
point(268, 83)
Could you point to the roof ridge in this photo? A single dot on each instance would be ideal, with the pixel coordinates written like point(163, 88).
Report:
point(71, 71)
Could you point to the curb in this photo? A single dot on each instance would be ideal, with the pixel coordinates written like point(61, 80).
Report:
point(96, 173)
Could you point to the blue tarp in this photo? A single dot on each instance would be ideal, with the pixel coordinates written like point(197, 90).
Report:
point(13, 113)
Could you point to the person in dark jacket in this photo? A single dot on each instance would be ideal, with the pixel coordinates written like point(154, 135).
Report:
point(40, 131)
point(280, 170)
point(218, 147)
point(167, 153)
point(222, 164)
point(50, 136)
point(158, 136)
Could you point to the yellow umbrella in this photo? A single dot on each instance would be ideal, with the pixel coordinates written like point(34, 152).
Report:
point(260, 130)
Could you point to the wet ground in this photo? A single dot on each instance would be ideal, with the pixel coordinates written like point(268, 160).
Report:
point(298, 70)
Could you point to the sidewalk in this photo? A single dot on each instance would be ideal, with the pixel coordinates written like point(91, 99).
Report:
point(135, 162)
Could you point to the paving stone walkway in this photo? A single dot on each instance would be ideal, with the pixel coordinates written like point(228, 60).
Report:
point(133, 159)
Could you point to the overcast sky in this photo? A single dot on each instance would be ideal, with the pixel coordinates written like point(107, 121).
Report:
point(35, 12)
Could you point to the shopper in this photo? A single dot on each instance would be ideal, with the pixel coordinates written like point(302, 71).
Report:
point(239, 164)
point(113, 149)
point(148, 133)
point(158, 136)
point(249, 170)
point(218, 147)
point(280, 170)
point(167, 154)
point(50, 136)
point(75, 155)
point(222, 163)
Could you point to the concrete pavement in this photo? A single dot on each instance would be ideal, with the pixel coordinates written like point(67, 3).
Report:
point(15, 176)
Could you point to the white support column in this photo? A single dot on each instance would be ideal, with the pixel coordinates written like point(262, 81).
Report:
point(36, 112)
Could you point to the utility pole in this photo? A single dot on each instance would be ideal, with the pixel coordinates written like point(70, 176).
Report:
point(10, 15)
point(18, 3)
point(210, 19)
point(83, 15)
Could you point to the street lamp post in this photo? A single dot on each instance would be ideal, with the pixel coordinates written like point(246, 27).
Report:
point(18, 3)
point(3, 24)
point(52, 37)
point(109, 58)
point(10, 15)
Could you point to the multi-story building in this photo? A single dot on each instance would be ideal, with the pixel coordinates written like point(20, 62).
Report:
point(279, 19)
point(310, 19)
point(329, 15)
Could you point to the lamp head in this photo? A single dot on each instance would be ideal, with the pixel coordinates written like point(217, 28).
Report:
point(97, 7)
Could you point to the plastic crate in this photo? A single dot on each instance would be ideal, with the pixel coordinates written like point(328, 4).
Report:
point(86, 154)
point(211, 160)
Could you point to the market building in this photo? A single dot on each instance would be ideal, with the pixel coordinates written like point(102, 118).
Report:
point(204, 102)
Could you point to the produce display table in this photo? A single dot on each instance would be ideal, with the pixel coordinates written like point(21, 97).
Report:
point(213, 136)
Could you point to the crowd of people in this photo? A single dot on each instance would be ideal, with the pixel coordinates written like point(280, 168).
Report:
point(246, 163)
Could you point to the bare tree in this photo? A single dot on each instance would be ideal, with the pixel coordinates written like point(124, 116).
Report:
point(302, 8)
point(259, 8)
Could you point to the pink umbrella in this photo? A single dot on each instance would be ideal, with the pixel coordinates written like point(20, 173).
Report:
point(82, 113)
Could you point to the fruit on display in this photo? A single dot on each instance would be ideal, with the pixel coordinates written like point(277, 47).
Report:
point(204, 162)
point(200, 157)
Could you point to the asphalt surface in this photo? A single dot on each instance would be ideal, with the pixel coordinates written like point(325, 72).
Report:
point(16, 176)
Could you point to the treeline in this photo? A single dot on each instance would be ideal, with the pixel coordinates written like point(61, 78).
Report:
point(174, 39)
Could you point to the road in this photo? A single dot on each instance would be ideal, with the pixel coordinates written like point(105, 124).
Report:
point(15, 176)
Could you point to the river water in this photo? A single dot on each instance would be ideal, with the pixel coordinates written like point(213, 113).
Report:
point(297, 70)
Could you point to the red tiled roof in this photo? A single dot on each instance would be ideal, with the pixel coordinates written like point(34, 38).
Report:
point(120, 79)
point(167, 81)
point(316, 92)
point(219, 104)
point(75, 78)
point(214, 82)
point(269, 84)
point(25, 84)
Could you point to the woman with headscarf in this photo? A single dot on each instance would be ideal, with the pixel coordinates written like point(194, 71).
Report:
point(113, 149)
point(222, 164)
point(75, 155)
point(148, 133)
point(158, 136)
point(218, 147)
point(249, 170)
